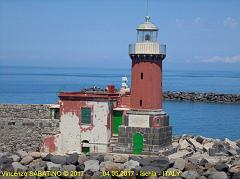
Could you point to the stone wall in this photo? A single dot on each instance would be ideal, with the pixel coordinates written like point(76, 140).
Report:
point(25, 126)
point(30, 111)
point(202, 97)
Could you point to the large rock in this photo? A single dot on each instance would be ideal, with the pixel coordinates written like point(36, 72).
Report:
point(131, 164)
point(179, 154)
point(53, 166)
point(231, 144)
point(207, 146)
point(190, 174)
point(22, 153)
point(196, 144)
point(222, 167)
point(111, 166)
point(35, 155)
point(218, 149)
point(218, 175)
point(19, 167)
point(161, 162)
point(26, 160)
point(72, 159)
point(199, 139)
point(82, 158)
point(120, 158)
point(183, 144)
point(69, 168)
point(59, 159)
point(234, 169)
point(91, 165)
point(15, 158)
point(37, 165)
point(47, 157)
point(179, 164)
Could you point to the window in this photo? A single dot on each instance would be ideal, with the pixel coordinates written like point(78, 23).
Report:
point(86, 115)
point(140, 102)
point(141, 75)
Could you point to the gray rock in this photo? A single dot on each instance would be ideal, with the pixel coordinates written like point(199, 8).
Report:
point(19, 167)
point(69, 168)
point(161, 162)
point(47, 157)
point(108, 157)
point(111, 166)
point(120, 158)
point(72, 159)
point(35, 155)
point(22, 153)
point(59, 159)
point(196, 144)
point(218, 175)
point(207, 146)
point(234, 169)
point(190, 174)
point(221, 167)
point(26, 160)
point(236, 176)
point(15, 158)
point(199, 139)
point(131, 164)
point(203, 162)
point(210, 171)
point(37, 164)
point(183, 144)
point(53, 166)
point(82, 158)
point(91, 165)
point(5, 160)
point(179, 164)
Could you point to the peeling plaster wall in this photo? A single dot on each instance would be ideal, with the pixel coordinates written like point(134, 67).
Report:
point(72, 133)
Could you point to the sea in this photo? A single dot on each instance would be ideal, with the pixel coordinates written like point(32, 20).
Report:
point(40, 85)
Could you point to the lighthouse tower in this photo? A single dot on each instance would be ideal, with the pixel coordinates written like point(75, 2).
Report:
point(147, 55)
point(146, 126)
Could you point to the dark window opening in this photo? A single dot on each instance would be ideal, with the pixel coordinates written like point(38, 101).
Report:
point(140, 102)
point(86, 115)
point(141, 75)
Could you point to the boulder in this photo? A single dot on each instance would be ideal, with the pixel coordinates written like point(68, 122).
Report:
point(111, 166)
point(80, 167)
point(234, 169)
point(69, 168)
point(72, 159)
point(183, 144)
point(37, 164)
point(179, 154)
point(53, 166)
point(15, 158)
point(191, 174)
point(221, 167)
point(131, 164)
point(199, 139)
point(108, 157)
point(120, 158)
point(161, 162)
point(207, 146)
point(22, 153)
point(18, 167)
point(26, 160)
point(196, 144)
point(82, 158)
point(59, 159)
point(218, 175)
point(230, 143)
point(35, 155)
point(91, 165)
point(47, 157)
point(179, 164)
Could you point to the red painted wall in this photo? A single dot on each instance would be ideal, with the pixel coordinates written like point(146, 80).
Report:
point(148, 89)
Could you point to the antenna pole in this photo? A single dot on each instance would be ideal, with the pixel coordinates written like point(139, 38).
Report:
point(147, 7)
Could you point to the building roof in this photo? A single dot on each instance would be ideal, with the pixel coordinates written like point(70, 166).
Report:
point(147, 25)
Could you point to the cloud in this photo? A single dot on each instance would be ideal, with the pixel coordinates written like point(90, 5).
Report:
point(222, 59)
point(230, 22)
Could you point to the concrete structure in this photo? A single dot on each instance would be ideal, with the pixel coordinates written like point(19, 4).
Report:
point(130, 121)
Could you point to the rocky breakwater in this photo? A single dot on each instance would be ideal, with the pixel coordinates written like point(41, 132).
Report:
point(202, 97)
point(196, 158)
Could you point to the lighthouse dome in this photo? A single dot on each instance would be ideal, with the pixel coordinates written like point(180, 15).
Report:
point(147, 25)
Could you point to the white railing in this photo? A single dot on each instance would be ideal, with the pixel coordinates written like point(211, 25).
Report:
point(147, 48)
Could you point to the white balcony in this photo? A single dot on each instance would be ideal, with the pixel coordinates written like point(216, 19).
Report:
point(147, 48)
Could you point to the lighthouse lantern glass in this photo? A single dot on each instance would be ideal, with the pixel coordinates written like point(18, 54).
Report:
point(147, 36)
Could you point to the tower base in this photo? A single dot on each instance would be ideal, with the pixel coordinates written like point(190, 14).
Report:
point(144, 132)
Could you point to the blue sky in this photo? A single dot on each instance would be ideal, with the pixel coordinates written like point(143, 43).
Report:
point(200, 34)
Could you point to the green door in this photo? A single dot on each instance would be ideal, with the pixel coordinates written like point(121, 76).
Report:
point(137, 143)
point(117, 121)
